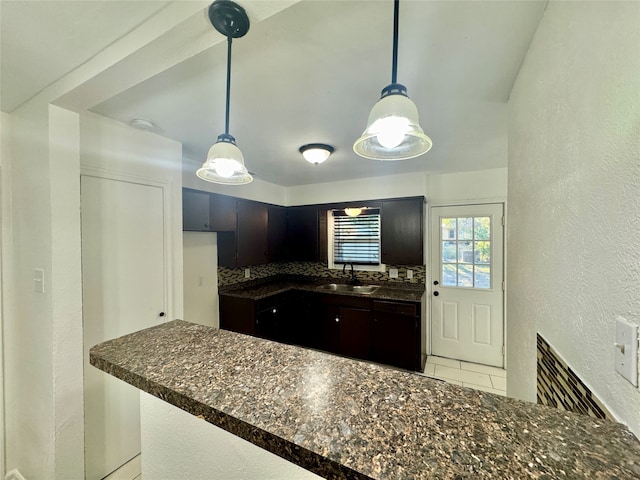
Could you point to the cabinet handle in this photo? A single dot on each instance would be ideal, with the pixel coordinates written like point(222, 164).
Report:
point(206, 225)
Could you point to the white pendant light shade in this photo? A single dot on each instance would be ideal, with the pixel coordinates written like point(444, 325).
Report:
point(393, 131)
point(225, 164)
point(353, 211)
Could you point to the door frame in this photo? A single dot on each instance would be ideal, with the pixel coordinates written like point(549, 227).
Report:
point(168, 216)
point(166, 187)
point(429, 282)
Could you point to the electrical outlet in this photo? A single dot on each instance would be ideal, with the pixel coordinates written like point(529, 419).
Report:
point(247, 273)
point(627, 350)
point(409, 274)
point(393, 273)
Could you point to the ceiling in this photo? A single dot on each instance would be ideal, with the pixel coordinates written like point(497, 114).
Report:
point(307, 74)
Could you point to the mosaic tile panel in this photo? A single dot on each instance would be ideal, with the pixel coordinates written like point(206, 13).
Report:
point(229, 276)
point(560, 387)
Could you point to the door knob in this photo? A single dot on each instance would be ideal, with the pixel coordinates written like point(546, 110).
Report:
point(161, 314)
point(435, 294)
point(436, 282)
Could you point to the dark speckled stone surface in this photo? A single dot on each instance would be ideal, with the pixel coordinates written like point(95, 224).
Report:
point(342, 418)
point(387, 291)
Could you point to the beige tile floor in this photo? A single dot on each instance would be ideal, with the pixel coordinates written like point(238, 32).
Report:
point(472, 375)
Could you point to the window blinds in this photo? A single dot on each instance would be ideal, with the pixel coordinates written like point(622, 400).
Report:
point(357, 239)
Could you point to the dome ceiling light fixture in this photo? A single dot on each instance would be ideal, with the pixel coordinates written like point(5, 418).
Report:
point(353, 211)
point(393, 129)
point(225, 163)
point(316, 153)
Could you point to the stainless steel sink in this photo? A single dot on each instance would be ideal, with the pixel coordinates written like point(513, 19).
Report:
point(343, 287)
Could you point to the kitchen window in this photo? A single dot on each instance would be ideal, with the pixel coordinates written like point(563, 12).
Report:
point(355, 240)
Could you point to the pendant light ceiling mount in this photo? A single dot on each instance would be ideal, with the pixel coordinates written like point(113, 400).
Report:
point(225, 162)
point(229, 18)
point(393, 130)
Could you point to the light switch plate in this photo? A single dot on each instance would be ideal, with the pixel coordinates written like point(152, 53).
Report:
point(393, 273)
point(627, 350)
point(38, 280)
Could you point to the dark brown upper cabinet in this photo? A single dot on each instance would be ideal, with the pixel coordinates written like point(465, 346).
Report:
point(303, 234)
point(401, 231)
point(276, 233)
point(248, 245)
point(207, 212)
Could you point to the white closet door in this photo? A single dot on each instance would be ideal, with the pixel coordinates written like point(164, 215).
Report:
point(124, 279)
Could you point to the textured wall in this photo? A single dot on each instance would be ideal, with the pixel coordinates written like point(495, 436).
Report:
point(574, 197)
point(176, 444)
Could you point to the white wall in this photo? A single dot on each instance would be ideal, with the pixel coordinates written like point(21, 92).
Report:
point(478, 186)
point(405, 185)
point(5, 229)
point(258, 190)
point(176, 445)
point(574, 189)
point(114, 148)
point(200, 258)
point(28, 316)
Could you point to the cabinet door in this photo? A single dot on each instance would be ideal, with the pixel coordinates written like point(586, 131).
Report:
point(251, 235)
point(195, 211)
point(355, 339)
point(237, 314)
point(330, 329)
point(302, 233)
point(396, 335)
point(222, 216)
point(401, 231)
point(276, 233)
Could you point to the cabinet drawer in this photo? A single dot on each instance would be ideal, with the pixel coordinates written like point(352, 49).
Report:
point(395, 308)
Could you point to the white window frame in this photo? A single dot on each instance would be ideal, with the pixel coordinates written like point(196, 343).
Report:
point(333, 266)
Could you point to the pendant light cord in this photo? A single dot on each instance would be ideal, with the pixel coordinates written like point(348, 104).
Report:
point(394, 67)
point(226, 119)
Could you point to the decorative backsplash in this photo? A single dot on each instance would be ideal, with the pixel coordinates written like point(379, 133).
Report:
point(560, 387)
point(229, 276)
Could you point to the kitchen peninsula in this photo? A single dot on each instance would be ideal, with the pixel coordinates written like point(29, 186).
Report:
point(344, 418)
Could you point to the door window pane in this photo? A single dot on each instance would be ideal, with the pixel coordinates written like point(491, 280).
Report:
point(482, 276)
point(466, 252)
point(465, 228)
point(449, 277)
point(449, 252)
point(465, 275)
point(448, 228)
point(482, 228)
point(482, 252)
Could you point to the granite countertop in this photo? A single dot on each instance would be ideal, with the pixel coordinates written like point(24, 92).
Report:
point(343, 418)
point(387, 290)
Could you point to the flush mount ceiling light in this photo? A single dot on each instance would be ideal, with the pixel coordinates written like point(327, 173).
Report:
point(225, 163)
point(353, 211)
point(393, 130)
point(316, 153)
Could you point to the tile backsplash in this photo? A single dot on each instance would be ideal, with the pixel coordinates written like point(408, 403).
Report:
point(560, 387)
point(229, 276)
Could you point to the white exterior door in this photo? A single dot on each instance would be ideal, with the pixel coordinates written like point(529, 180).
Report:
point(467, 319)
point(123, 279)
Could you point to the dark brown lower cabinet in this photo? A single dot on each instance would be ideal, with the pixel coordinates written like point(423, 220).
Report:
point(382, 331)
point(395, 334)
